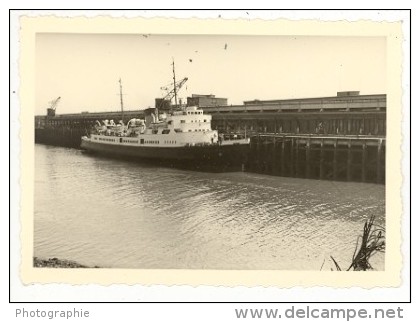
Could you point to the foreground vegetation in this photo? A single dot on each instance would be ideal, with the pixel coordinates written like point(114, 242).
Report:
point(371, 241)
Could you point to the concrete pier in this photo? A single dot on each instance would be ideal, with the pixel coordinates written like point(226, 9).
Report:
point(329, 138)
point(345, 158)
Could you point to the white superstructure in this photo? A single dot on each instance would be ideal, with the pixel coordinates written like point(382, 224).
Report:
point(188, 127)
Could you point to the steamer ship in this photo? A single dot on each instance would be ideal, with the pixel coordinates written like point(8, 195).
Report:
point(181, 137)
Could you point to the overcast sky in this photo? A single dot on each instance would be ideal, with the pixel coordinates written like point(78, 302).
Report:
point(84, 69)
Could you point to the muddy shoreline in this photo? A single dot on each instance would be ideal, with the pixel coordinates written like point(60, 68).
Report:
point(58, 263)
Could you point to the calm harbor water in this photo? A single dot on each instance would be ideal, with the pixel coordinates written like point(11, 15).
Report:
point(114, 213)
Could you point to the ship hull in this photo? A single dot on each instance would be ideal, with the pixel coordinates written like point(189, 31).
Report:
point(213, 157)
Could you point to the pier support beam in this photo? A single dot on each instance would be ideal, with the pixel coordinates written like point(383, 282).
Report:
point(378, 162)
point(297, 158)
point(321, 160)
point(308, 159)
point(335, 161)
point(274, 157)
point(282, 158)
point(292, 159)
point(364, 162)
point(349, 161)
point(258, 165)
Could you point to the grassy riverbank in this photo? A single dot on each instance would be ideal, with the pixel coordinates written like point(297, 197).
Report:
point(58, 263)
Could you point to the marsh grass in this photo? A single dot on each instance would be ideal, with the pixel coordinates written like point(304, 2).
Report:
point(371, 242)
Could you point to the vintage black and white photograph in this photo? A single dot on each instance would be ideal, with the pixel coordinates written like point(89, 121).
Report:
point(211, 152)
point(231, 152)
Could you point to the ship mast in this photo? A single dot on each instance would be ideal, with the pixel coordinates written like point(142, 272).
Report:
point(173, 69)
point(121, 101)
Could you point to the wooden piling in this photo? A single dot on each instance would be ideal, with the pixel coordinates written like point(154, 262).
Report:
point(282, 157)
point(349, 161)
point(292, 159)
point(274, 157)
point(335, 161)
point(258, 155)
point(297, 158)
point(321, 160)
point(308, 159)
point(378, 162)
point(364, 150)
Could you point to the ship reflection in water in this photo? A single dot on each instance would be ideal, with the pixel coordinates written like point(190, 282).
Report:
point(114, 213)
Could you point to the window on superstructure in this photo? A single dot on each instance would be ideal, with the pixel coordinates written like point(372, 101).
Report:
point(182, 121)
point(166, 131)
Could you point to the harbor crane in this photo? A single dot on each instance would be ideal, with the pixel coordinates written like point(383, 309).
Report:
point(171, 92)
point(53, 106)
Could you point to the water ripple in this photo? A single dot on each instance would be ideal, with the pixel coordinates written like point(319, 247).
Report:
point(113, 213)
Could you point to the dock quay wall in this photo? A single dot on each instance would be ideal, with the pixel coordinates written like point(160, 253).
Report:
point(68, 129)
point(344, 158)
point(332, 138)
point(61, 136)
point(355, 115)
